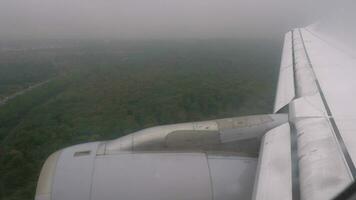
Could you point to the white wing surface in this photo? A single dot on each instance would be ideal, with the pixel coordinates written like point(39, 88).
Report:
point(322, 113)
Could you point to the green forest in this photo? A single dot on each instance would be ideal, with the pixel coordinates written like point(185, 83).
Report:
point(103, 90)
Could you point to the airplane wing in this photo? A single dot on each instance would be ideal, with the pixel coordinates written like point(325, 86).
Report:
point(321, 113)
point(305, 150)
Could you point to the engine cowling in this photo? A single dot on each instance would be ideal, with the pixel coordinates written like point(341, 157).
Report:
point(203, 160)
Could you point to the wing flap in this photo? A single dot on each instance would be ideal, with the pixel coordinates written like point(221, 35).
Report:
point(274, 175)
point(324, 169)
point(285, 87)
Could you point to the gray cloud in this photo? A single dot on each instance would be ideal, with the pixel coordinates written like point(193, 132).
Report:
point(152, 18)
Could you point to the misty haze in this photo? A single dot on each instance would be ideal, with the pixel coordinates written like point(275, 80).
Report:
point(157, 19)
point(77, 71)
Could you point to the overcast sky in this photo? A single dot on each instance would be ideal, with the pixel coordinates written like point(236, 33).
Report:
point(152, 18)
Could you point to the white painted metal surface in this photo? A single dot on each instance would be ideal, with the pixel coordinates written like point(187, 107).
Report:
point(307, 107)
point(323, 172)
point(285, 88)
point(73, 176)
point(336, 71)
point(180, 176)
point(274, 175)
point(214, 135)
point(255, 126)
point(304, 75)
point(154, 163)
point(155, 176)
point(232, 176)
point(44, 185)
point(323, 167)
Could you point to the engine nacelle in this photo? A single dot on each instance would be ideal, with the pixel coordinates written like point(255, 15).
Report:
point(203, 160)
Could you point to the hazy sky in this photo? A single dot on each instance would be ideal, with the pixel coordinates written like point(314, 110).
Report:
point(151, 18)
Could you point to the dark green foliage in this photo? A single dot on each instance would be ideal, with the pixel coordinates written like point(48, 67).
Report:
point(103, 92)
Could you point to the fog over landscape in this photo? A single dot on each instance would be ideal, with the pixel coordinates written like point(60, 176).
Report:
point(76, 71)
point(130, 19)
